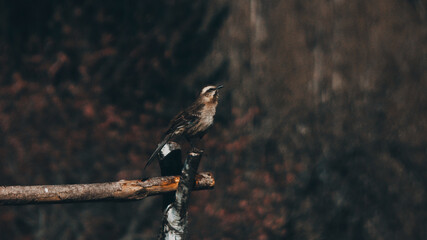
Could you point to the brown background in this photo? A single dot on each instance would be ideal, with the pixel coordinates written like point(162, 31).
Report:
point(321, 129)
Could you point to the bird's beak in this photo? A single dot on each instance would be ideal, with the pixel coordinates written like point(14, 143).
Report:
point(219, 87)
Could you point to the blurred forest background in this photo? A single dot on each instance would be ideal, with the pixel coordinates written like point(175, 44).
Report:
point(320, 133)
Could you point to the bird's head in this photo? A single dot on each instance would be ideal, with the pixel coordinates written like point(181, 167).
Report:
point(209, 94)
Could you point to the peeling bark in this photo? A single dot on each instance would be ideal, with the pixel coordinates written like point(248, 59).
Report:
point(123, 190)
point(175, 220)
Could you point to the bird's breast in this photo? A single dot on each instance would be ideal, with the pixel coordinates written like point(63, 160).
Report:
point(206, 119)
point(207, 116)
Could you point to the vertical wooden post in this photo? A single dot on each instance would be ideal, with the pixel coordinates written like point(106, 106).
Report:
point(175, 221)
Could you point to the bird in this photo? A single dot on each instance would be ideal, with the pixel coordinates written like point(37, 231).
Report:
point(193, 122)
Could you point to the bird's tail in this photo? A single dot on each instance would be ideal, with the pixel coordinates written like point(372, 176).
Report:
point(159, 147)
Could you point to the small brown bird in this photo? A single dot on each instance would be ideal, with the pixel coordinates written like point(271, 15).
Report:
point(194, 121)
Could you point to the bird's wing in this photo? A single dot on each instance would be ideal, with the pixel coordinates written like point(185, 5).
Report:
point(185, 119)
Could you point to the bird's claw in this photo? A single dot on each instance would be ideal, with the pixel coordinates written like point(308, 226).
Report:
point(196, 150)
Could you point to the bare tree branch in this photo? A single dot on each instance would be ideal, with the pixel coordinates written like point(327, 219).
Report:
point(175, 222)
point(123, 190)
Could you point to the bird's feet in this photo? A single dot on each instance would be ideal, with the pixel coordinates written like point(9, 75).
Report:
point(196, 150)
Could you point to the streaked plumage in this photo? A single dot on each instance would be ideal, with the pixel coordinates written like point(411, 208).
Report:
point(194, 121)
